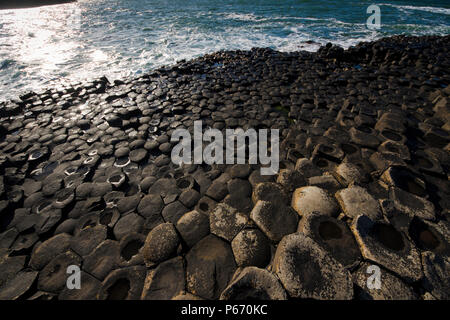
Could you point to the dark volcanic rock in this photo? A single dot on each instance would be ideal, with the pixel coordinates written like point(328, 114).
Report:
point(306, 271)
point(210, 267)
point(254, 284)
point(364, 141)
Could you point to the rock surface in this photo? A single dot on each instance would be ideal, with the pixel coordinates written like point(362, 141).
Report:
point(86, 178)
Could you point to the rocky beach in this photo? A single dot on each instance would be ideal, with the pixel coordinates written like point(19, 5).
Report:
point(86, 179)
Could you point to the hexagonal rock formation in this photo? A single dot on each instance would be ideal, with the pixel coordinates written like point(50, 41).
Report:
point(253, 283)
point(391, 287)
point(17, 286)
point(382, 243)
point(123, 284)
point(269, 191)
point(166, 281)
point(307, 200)
point(348, 173)
point(90, 287)
point(210, 266)
point(334, 236)
point(193, 226)
point(411, 204)
point(161, 243)
point(251, 248)
point(226, 222)
point(429, 236)
point(436, 269)
point(307, 271)
point(355, 200)
point(275, 221)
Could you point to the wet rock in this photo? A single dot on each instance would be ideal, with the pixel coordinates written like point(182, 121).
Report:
point(226, 222)
point(274, 220)
point(334, 236)
point(209, 267)
point(161, 243)
point(251, 248)
point(306, 271)
point(166, 281)
point(383, 244)
point(253, 283)
point(391, 288)
point(355, 200)
point(123, 284)
point(193, 226)
point(307, 200)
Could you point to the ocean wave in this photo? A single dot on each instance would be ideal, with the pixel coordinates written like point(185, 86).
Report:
point(426, 9)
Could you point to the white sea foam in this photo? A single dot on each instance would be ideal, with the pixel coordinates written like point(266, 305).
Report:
point(427, 9)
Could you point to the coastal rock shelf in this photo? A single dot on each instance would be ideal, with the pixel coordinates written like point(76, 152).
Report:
point(87, 180)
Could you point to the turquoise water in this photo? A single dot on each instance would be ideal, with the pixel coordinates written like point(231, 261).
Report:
point(124, 38)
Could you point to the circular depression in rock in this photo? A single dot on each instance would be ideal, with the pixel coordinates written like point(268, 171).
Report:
point(204, 206)
point(327, 149)
point(183, 183)
point(297, 154)
point(329, 230)
point(119, 290)
point(408, 182)
point(321, 163)
point(423, 236)
point(105, 218)
point(115, 178)
point(131, 249)
point(388, 236)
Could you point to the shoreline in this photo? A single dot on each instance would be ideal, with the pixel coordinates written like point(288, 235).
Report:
point(22, 4)
point(86, 177)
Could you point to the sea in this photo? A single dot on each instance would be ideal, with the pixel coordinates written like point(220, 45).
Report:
point(64, 44)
